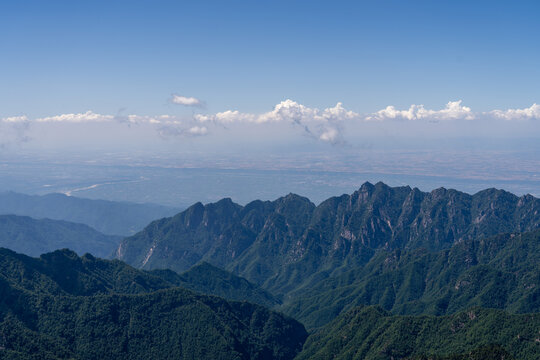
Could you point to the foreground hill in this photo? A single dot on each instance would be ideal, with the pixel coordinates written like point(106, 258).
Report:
point(371, 333)
point(108, 217)
point(289, 243)
point(34, 237)
point(63, 272)
point(63, 306)
point(208, 279)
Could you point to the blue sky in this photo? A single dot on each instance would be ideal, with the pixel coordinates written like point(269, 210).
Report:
point(72, 56)
point(444, 89)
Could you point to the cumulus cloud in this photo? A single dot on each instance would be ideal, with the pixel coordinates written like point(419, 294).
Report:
point(320, 124)
point(226, 117)
point(88, 116)
point(15, 119)
point(529, 113)
point(186, 100)
point(452, 111)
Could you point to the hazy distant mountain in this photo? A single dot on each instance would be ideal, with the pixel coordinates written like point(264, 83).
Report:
point(34, 237)
point(108, 217)
point(289, 242)
point(64, 306)
point(370, 333)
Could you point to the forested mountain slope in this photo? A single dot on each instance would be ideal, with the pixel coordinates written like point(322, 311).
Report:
point(63, 306)
point(501, 271)
point(63, 272)
point(370, 333)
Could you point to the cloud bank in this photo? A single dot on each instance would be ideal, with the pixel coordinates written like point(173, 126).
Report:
point(326, 125)
point(529, 113)
point(452, 111)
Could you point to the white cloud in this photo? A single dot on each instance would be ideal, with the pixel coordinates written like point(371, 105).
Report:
point(88, 116)
point(15, 119)
point(226, 117)
point(286, 111)
point(186, 100)
point(291, 111)
point(319, 124)
point(529, 113)
point(326, 125)
point(452, 111)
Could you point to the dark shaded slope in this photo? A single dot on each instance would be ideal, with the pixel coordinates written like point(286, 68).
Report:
point(173, 323)
point(34, 237)
point(62, 272)
point(371, 333)
point(208, 279)
point(63, 306)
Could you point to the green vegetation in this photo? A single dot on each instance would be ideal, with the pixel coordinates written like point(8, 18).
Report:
point(372, 333)
point(35, 237)
point(488, 352)
point(64, 273)
point(63, 306)
point(502, 271)
point(208, 279)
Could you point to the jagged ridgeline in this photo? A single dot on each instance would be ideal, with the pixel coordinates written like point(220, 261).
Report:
point(290, 245)
point(285, 243)
point(65, 306)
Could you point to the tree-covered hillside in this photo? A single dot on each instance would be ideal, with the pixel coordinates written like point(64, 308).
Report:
point(370, 333)
point(107, 310)
point(502, 272)
point(63, 272)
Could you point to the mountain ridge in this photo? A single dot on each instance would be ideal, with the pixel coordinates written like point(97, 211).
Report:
point(303, 243)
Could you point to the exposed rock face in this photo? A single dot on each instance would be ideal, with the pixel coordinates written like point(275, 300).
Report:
point(281, 243)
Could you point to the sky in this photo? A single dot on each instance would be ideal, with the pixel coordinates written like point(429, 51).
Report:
point(209, 77)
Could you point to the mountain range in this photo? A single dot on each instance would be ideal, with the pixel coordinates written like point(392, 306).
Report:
point(383, 273)
point(401, 248)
